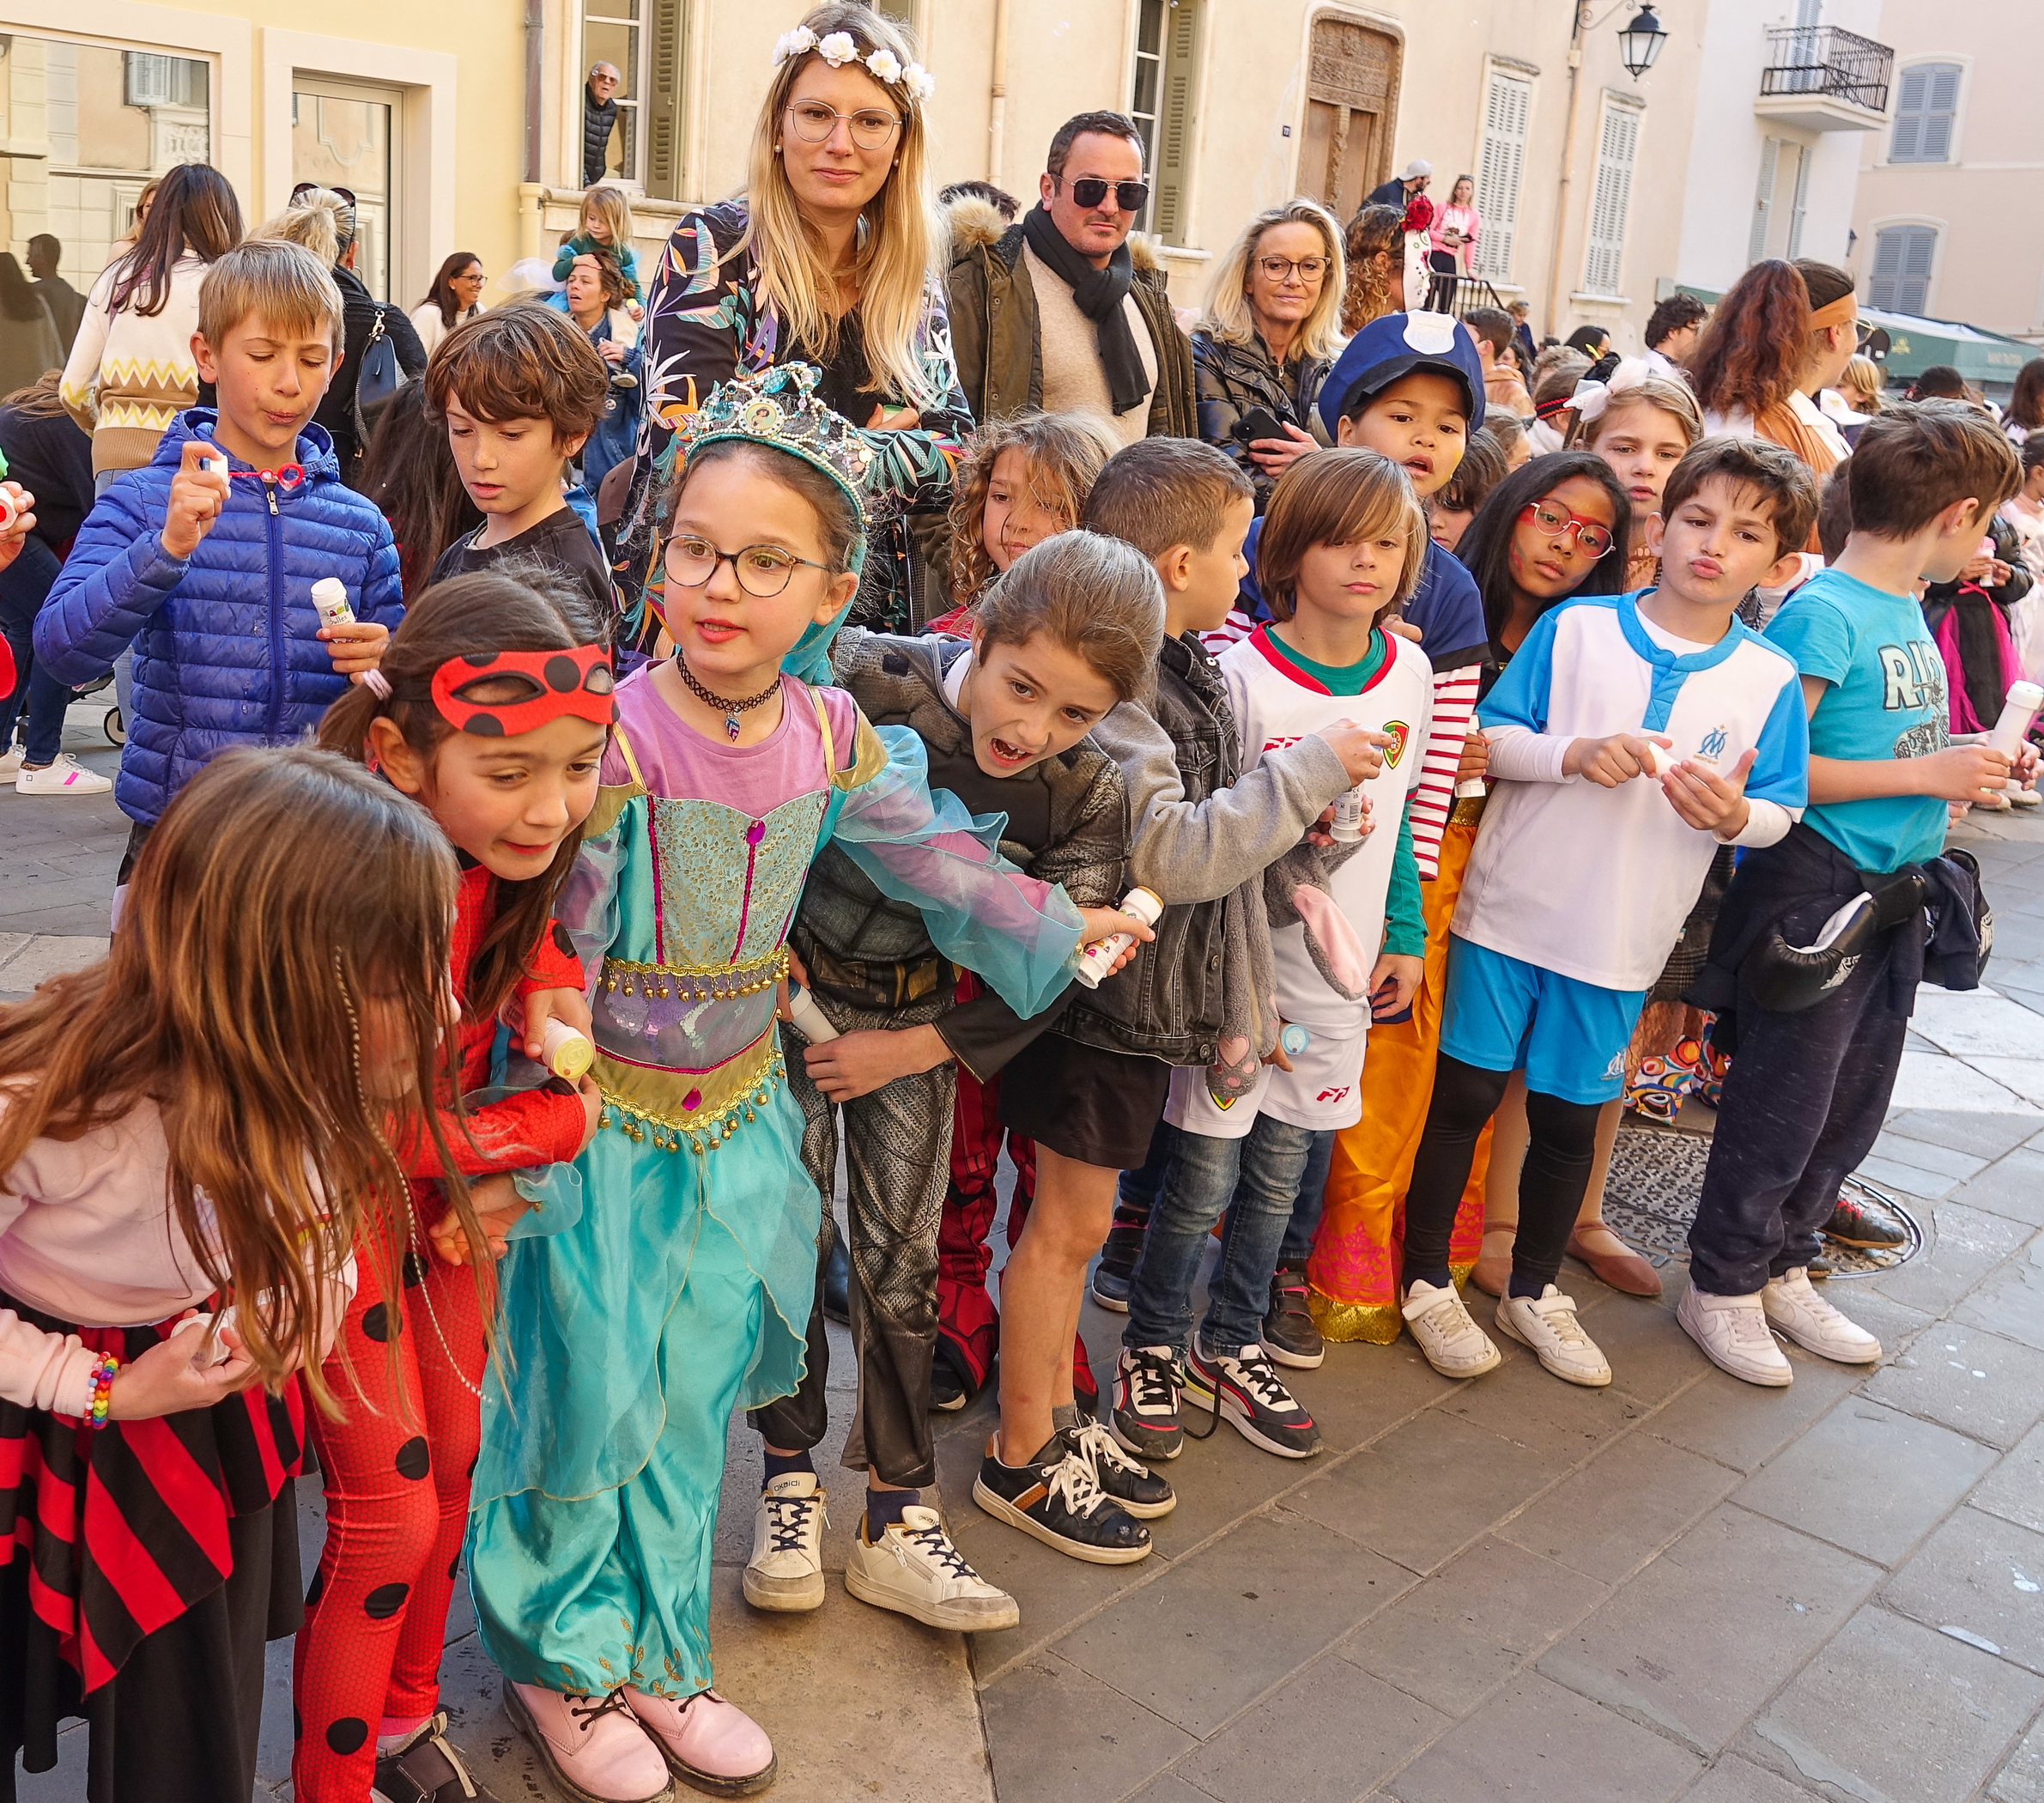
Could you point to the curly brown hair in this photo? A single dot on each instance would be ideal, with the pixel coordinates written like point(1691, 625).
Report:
point(1064, 454)
point(1368, 295)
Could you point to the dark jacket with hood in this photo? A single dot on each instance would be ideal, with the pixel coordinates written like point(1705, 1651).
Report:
point(336, 410)
point(598, 119)
point(226, 653)
point(999, 344)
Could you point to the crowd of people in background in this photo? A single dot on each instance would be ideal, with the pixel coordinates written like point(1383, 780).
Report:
point(877, 677)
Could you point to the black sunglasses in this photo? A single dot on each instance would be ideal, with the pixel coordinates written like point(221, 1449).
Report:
point(305, 188)
point(1090, 190)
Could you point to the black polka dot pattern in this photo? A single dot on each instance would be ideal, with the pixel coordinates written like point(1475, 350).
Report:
point(562, 944)
point(414, 1270)
point(376, 1322)
point(384, 1601)
point(347, 1735)
point(415, 1458)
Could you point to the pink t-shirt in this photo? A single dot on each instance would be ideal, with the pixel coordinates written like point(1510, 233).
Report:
point(1464, 219)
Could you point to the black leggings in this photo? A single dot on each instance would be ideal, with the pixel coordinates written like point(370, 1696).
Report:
point(1561, 1147)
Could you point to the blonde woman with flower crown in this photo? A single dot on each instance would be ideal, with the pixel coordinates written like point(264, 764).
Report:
point(830, 257)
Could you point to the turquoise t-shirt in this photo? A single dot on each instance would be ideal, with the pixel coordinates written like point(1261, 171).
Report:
point(1887, 699)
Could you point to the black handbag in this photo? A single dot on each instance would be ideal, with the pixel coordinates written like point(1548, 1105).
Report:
point(377, 378)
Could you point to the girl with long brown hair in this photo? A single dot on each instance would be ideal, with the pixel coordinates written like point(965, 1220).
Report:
point(193, 1130)
point(490, 710)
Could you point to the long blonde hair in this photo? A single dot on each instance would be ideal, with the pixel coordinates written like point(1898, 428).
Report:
point(899, 233)
point(613, 206)
point(1227, 315)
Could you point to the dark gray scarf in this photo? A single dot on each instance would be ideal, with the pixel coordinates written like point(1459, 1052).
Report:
point(1099, 293)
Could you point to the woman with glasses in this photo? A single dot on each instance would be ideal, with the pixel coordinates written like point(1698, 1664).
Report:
point(454, 298)
point(1268, 340)
point(828, 259)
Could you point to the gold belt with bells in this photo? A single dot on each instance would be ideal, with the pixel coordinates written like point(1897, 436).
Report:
point(698, 1109)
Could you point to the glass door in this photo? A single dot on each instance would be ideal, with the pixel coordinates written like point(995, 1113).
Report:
point(349, 137)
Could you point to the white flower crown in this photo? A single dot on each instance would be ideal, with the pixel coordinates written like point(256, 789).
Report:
point(840, 48)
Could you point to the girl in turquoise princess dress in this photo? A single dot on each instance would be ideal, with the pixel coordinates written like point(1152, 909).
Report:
point(683, 1288)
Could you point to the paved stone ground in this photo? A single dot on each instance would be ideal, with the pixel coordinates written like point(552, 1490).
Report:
point(1677, 1587)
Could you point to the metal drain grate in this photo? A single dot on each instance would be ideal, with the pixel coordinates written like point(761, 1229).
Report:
point(1657, 1174)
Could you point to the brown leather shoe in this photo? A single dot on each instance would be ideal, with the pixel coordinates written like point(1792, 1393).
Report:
point(1622, 1269)
point(1494, 1263)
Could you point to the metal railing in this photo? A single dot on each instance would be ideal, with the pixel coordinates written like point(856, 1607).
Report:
point(1821, 59)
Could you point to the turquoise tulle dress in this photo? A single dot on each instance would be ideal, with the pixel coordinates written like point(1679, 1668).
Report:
point(678, 1286)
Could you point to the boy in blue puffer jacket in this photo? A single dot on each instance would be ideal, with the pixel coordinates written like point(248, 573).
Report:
point(205, 558)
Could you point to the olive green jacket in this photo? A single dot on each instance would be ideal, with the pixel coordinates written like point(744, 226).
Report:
point(996, 340)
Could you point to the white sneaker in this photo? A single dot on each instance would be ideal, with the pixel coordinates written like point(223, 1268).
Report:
point(1732, 1331)
point(10, 764)
point(915, 1570)
point(1547, 1323)
point(786, 1571)
point(1454, 1344)
point(1797, 1310)
point(67, 776)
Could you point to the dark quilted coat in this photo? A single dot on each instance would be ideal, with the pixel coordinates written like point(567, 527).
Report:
point(225, 650)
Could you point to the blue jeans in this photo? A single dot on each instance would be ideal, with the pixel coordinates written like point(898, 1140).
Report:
point(1256, 1180)
point(24, 584)
point(1306, 1211)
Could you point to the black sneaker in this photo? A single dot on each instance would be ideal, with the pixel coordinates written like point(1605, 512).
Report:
point(1145, 1418)
point(1854, 1223)
point(1289, 1335)
point(1110, 1289)
point(1138, 1488)
point(426, 1769)
point(1250, 1395)
point(1117, 1264)
point(1055, 1499)
point(950, 1387)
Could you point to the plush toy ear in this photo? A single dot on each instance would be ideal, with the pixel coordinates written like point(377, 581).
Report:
point(1332, 942)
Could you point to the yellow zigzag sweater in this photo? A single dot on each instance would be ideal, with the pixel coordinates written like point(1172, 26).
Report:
point(129, 374)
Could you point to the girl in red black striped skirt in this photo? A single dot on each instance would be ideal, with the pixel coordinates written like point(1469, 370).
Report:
point(187, 1131)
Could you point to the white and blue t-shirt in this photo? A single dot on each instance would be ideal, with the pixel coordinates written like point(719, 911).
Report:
point(1594, 882)
point(1887, 699)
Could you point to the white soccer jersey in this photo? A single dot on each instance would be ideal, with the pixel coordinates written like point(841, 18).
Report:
point(1276, 703)
point(1593, 883)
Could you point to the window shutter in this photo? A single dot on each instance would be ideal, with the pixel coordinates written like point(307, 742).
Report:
point(1901, 279)
point(1925, 112)
point(1506, 109)
point(1173, 176)
point(1763, 201)
point(669, 24)
point(1611, 200)
point(1798, 207)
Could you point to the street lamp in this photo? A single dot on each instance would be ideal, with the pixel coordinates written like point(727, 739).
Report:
point(1639, 43)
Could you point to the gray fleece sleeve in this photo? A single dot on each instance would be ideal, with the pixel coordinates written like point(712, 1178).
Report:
point(1199, 850)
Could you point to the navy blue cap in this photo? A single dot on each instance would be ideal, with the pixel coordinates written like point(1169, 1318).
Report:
point(1395, 346)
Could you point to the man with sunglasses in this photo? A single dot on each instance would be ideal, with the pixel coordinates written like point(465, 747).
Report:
point(599, 118)
point(1060, 311)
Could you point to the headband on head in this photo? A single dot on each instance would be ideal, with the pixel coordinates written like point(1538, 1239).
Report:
point(1834, 313)
point(557, 684)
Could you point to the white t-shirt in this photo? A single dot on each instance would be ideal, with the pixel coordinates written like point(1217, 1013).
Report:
point(1593, 883)
point(1740, 425)
point(1275, 703)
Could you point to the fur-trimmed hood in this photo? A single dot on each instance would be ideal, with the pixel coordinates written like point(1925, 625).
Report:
point(975, 224)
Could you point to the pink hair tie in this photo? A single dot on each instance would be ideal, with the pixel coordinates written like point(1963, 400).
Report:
point(377, 683)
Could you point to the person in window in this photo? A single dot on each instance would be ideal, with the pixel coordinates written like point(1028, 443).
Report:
point(1268, 340)
point(66, 304)
point(599, 117)
point(829, 259)
point(337, 410)
point(1061, 312)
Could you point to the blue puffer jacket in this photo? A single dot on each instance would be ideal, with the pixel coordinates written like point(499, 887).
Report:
point(225, 654)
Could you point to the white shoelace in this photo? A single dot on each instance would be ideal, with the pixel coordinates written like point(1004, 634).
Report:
point(1559, 1314)
point(1071, 1482)
point(1097, 1447)
point(1749, 1328)
point(788, 1522)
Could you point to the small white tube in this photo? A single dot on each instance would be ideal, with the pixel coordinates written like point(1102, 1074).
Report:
point(330, 599)
point(566, 1052)
point(807, 1017)
point(1098, 958)
point(2018, 709)
point(1349, 811)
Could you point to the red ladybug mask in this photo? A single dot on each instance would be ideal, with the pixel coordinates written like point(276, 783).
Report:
point(556, 684)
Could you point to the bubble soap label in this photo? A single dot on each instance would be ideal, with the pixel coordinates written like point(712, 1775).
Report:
point(330, 599)
point(1098, 958)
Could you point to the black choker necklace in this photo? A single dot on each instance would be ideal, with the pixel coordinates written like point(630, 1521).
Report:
point(731, 710)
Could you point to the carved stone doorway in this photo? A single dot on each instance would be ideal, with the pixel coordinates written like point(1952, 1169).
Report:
point(1351, 113)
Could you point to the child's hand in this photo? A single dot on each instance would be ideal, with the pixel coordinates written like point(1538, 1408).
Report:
point(1394, 981)
point(17, 535)
point(1320, 833)
point(637, 312)
point(1361, 750)
point(1405, 629)
point(1961, 773)
point(198, 497)
point(356, 648)
point(165, 1381)
point(857, 1064)
point(1475, 761)
point(528, 1017)
point(1610, 762)
point(1102, 921)
point(894, 419)
point(1708, 798)
point(498, 1207)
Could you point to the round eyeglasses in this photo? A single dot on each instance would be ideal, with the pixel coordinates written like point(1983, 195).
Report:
point(1557, 522)
point(814, 122)
point(1279, 268)
point(762, 570)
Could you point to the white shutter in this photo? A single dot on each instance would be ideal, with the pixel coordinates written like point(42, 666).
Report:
point(1611, 199)
point(1902, 278)
point(1174, 173)
point(1800, 206)
point(1927, 109)
point(1506, 109)
point(1763, 200)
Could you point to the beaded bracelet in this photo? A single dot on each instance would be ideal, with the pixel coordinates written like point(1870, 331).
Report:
point(102, 1388)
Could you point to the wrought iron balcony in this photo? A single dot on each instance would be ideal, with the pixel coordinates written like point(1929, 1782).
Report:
point(1824, 79)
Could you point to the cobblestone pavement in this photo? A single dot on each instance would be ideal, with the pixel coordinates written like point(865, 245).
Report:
point(1676, 1587)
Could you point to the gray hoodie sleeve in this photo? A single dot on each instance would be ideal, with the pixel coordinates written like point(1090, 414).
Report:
point(1199, 850)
